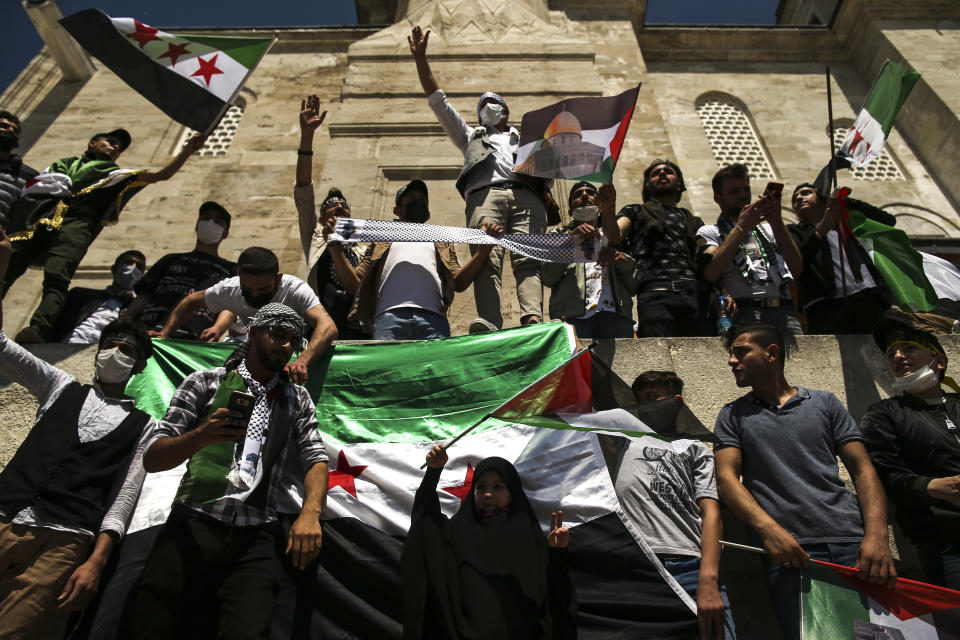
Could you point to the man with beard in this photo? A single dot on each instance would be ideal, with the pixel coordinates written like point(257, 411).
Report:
point(840, 290)
point(783, 441)
point(662, 238)
point(13, 173)
point(912, 439)
point(751, 252)
point(492, 191)
point(82, 194)
point(216, 566)
point(259, 282)
point(403, 289)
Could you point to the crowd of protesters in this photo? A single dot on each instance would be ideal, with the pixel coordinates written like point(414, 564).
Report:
point(248, 431)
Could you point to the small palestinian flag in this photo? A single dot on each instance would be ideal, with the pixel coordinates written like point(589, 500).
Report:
point(193, 79)
point(872, 126)
point(576, 139)
point(837, 605)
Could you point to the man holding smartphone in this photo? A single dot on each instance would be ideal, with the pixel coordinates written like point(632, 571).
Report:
point(752, 255)
point(222, 544)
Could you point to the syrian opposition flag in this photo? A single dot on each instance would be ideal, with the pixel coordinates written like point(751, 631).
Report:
point(895, 259)
point(837, 605)
point(576, 139)
point(875, 120)
point(193, 79)
point(381, 407)
point(943, 276)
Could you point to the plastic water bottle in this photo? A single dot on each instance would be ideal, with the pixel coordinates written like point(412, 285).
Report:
point(723, 320)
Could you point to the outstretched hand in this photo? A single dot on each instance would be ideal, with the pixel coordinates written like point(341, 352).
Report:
point(559, 536)
point(310, 115)
point(418, 42)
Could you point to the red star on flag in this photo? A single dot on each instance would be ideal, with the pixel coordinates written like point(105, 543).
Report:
point(174, 51)
point(857, 139)
point(462, 490)
point(345, 475)
point(208, 68)
point(144, 33)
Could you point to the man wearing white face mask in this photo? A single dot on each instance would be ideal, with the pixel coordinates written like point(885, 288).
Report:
point(68, 494)
point(913, 441)
point(177, 275)
point(595, 297)
point(88, 311)
point(493, 192)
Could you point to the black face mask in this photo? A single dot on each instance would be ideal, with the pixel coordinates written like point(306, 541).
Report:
point(257, 301)
point(8, 140)
point(416, 211)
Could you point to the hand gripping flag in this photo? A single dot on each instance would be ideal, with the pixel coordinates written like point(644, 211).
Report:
point(873, 124)
point(193, 79)
point(578, 138)
point(837, 605)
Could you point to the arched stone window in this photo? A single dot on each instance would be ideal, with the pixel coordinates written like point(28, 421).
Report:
point(219, 140)
point(881, 168)
point(731, 134)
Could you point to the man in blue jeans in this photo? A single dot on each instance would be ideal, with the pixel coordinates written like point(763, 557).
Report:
point(403, 289)
point(784, 440)
point(669, 490)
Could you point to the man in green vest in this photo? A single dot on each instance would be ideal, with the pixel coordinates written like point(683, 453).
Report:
point(493, 192)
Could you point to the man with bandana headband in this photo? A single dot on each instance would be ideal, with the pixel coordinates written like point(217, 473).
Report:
point(13, 173)
point(223, 541)
point(75, 198)
point(914, 443)
point(493, 192)
point(595, 297)
point(403, 289)
point(69, 492)
point(259, 282)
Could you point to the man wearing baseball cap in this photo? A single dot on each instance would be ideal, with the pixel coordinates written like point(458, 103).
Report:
point(913, 441)
point(63, 211)
point(403, 289)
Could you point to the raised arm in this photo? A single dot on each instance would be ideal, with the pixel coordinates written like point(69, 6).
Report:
point(773, 214)
point(189, 148)
point(782, 547)
point(418, 47)
point(310, 120)
point(721, 256)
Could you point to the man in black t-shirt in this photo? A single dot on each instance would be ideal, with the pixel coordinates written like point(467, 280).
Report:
point(662, 238)
point(176, 275)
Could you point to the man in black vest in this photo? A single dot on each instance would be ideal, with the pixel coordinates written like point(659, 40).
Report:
point(74, 480)
point(662, 238)
point(493, 192)
point(13, 173)
point(216, 566)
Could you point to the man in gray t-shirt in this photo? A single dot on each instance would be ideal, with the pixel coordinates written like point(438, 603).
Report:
point(784, 441)
point(668, 489)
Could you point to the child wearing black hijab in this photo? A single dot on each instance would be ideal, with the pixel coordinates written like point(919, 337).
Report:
point(487, 573)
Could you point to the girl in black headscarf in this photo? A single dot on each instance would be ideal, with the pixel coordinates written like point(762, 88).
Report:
point(487, 573)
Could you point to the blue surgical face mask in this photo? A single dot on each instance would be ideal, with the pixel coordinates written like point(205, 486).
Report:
point(127, 276)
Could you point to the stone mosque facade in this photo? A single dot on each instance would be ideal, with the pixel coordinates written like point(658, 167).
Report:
point(710, 95)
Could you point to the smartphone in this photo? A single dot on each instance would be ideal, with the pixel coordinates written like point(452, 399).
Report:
point(242, 402)
point(775, 189)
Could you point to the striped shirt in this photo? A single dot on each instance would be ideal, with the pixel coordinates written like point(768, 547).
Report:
point(188, 409)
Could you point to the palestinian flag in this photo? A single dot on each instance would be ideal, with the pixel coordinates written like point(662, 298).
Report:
point(576, 139)
point(381, 407)
point(837, 605)
point(895, 259)
point(193, 79)
point(875, 120)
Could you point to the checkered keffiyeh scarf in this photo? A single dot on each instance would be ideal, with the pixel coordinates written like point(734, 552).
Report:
point(280, 315)
point(247, 470)
point(546, 247)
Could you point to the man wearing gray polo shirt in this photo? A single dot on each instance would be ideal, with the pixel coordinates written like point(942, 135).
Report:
point(784, 441)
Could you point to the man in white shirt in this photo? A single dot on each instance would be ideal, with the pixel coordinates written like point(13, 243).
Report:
point(493, 192)
point(259, 282)
point(403, 289)
point(752, 254)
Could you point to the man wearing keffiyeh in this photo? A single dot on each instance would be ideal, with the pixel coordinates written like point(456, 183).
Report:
point(223, 541)
point(751, 253)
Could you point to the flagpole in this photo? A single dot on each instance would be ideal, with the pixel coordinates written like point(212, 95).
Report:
point(489, 414)
point(743, 547)
point(833, 155)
